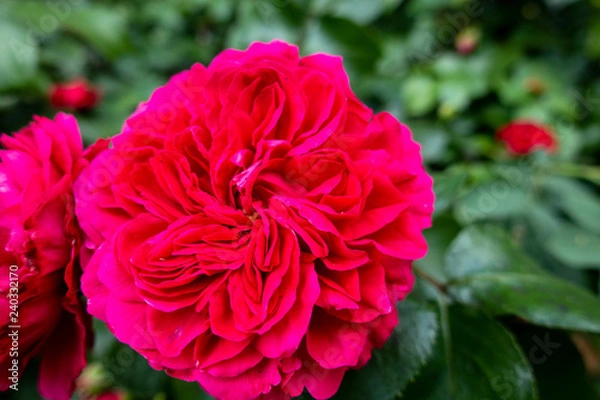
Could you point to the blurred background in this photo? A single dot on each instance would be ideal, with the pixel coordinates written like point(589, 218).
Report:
point(455, 71)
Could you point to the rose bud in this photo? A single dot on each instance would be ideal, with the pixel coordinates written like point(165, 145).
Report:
point(524, 137)
point(535, 85)
point(467, 40)
point(111, 395)
point(92, 380)
point(77, 94)
point(39, 263)
point(253, 225)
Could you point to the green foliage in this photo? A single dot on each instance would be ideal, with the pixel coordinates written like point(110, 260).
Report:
point(506, 303)
point(400, 360)
point(19, 61)
point(485, 362)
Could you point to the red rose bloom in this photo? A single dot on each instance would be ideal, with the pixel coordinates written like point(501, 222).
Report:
point(75, 95)
point(38, 256)
point(524, 137)
point(254, 224)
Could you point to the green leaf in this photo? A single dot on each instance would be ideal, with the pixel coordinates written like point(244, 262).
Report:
point(8, 101)
point(356, 44)
point(18, 56)
point(259, 23)
point(565, 242)
point(479, 359)
point(433, 140)
point(540, 299)
point(126, 368)
point(433, 381)
point(575, 247)
point(560, 3)
point(188, 391)
point(461, 79)
point(452, 95)
point(399, 361)
point(485, 248)
point(438, 239)
point(104, 340)
point(592, 43)
point(484, 359)
point(576, 200)
point(66, 48)
point(499, 199)
point(420, 94)
point(549, 351)
point(104, 28)
point(446, 186)
point(360, 11)
point(488, 270)
point(542, 223)
point(425, 6)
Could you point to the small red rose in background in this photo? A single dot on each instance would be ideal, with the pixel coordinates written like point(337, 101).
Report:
point(254, 224)
point(39, 246)
point(524, 137)
point(77, 94)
